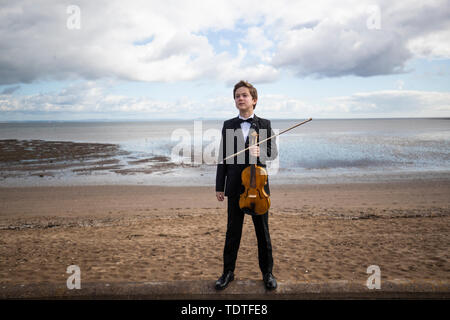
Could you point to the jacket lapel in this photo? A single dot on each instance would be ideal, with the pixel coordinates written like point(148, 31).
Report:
point(237, 126)
point(256, 121)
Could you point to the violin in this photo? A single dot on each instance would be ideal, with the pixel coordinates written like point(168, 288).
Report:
point(254, 199)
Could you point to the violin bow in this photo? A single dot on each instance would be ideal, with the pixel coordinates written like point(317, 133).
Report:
point(275, 135)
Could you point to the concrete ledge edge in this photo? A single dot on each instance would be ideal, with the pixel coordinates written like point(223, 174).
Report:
point(238, 289)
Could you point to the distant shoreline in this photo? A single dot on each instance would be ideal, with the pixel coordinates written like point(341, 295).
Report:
point(208, 119)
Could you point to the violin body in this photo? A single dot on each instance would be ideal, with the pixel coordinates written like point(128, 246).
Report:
point(254, 199)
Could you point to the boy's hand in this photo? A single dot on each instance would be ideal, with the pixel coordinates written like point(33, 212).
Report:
point(254, 151)
point(220, 196)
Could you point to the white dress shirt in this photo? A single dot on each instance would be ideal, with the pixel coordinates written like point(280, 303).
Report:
point(245, 126)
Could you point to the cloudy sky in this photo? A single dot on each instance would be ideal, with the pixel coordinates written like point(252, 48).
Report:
point(119, 60)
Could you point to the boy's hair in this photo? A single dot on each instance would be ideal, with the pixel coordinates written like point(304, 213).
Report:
point(250, 87)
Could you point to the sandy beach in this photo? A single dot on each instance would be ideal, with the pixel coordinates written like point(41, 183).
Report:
point(122, 234)
point(150, 233)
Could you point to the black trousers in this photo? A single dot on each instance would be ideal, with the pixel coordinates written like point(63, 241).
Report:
point(234, 233)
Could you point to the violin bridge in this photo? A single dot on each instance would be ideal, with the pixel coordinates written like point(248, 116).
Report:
point(252, 195)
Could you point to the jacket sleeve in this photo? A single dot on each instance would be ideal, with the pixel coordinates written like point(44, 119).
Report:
point(221, 166)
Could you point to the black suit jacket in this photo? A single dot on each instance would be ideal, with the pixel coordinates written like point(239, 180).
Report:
point(228, 176)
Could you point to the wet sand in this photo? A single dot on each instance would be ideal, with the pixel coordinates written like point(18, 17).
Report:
point(40, 158)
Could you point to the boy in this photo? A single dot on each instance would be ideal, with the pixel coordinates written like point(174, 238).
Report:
point(228, 182)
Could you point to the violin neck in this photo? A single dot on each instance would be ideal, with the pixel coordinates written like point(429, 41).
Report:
point(253, 166)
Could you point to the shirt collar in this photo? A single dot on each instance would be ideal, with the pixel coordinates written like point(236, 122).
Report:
point(252, 116)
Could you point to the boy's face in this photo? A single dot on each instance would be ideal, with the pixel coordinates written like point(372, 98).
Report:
point(243, 99)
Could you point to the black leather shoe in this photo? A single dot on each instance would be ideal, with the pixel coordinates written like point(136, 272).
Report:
point(269, 281)
point(224, 280)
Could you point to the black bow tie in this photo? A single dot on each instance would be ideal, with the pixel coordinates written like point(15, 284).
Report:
point(249, 120)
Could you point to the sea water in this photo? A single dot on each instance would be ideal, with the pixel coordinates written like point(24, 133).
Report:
point(320, 151)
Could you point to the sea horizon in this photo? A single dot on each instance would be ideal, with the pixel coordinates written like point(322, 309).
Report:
point(214, 119)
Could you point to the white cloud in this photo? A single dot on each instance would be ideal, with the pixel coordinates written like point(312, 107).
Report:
point(162, 40)
point(91, 100)
point(258, 43)
point(38, 45)
point(343, 44)
point(432, 46)
point(393, 103)
point(282, 106)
